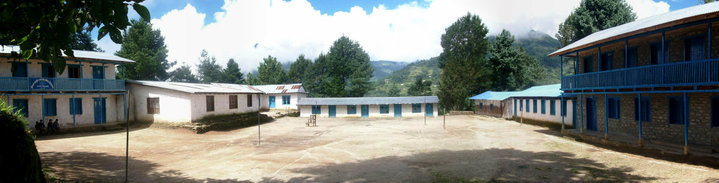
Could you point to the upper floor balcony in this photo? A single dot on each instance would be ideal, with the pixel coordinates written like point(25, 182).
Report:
point(60, 84)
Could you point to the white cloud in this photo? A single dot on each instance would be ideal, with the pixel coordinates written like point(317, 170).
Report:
point(647, 8)
point(249, 30)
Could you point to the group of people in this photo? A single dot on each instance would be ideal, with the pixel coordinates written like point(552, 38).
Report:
point(52, 127)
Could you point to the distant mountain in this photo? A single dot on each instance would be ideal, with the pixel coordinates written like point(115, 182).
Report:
point(383, 68)
point(403, 78)
point(539, 45)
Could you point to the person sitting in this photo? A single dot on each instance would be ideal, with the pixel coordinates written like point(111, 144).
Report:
point(49, 126)
point(39, 127)
point(56, 126)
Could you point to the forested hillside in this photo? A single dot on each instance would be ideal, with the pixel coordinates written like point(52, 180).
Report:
point(403, 78)
point(383, 68)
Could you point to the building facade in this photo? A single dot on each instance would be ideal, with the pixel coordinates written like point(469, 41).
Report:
point(159, 101)
point(655, 79)
point(281, 96)
point(85, 94)
point(538, 103)
point(366, 107)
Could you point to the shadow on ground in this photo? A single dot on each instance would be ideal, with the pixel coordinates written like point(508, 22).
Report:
point(473, 166)
point(94, 130)
point(101, 167)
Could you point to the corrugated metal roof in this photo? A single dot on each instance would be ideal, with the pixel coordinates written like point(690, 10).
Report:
point(79, 54)
point(367, 100)
point(635, 26)
point(197, 88)
point(281, 88)
point(535, 91)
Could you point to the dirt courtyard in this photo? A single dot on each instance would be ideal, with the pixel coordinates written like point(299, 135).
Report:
point(471, 148)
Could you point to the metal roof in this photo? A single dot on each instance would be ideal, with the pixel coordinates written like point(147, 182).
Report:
point(281, 88)
point(197, 88)
point(79, 54)
point(367, 100)
point(642, 25)
point(535, 91)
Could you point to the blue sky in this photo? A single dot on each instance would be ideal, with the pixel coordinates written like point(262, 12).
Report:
point(397, 30)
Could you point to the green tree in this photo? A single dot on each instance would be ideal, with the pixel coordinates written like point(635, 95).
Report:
point(592, 16)
point(252, 79)
point(270, 71)
point(19, 159)
point(344, 72)
point(511, 67)
point(84, 41)
point(463, 62)
point(44, 29)
point(232, 73)
point(420, 87)
point(706, 1)
point(146, 47)
point(183, 74)
point(394, 91)
point(208, 70)
point(298, 69)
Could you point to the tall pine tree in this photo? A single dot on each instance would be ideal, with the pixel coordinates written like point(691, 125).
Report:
point(208, 70)
point(232, 73)
point(270, 71)
point(592, 16)
point(344, 72)
point(146, 47)
point(183, 74)
point(298, 69)
point(512, 69)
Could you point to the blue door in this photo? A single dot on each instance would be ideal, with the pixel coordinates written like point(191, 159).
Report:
point(365, 111)
point(99, 108)
point(332, 111)
point(574, 114)
point(397, 110)
point(429, 111)
point(272, 102)
point(591, 115)
point(20, 105)
point(98, 75)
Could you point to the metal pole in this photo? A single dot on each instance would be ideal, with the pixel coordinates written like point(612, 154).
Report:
point(581, 113)
point(43, 108)
point(686, 124)
point(258, 118)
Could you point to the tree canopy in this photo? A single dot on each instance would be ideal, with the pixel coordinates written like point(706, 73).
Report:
point(232, 73)
point(592, 16)
point(344, 71)
point(463, 62)
point(270, 71)
point(84, 41)
point(512, 68)
point(298, 69)
point(183, 74)
point(420, 87)
point(44, 28)
point(146, 47)
point(208, 70)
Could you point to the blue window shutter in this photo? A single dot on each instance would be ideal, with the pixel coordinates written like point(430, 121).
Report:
point(44, 70)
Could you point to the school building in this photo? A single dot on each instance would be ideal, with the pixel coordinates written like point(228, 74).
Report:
point(281, 96)
point(544, 103)
point(160, 101)
point(85, 94)
point(654, 80)
point(369, 106)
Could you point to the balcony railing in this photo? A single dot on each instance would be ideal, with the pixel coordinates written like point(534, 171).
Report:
point(60, 84)
point(687, 73)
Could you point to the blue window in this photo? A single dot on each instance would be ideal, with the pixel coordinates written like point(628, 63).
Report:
point(491, 107)
point(416, 108)
point(19, 69)
point(694, 48)
point(645, 112)
point(544, 108)
point(75, 106)
point(520, 105)
point(351, 109)
point(676, 110)
point(613, 107)
point(384, 109)
point(316, 109)
point(74, 71)
point(50, 106)
point(534, 105)
point(527, 102)
point(552, 107)
point(588, 62)
point(657, 55)
point(632, 57)
point(715, 111)
point(47, 70)
point(20, 105)
point(481, 105)
point(607, 61)
point(564, 108)
point(286, 100)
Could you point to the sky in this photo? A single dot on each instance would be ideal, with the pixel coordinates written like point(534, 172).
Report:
point(396, 30)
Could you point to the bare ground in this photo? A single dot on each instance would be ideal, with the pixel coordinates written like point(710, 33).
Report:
point(471, 148)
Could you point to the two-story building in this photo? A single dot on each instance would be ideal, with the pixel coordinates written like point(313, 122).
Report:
point(86, 93)
point(655, 79)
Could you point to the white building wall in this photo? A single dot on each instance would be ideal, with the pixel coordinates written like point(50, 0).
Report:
point(87, 118)
point(175, 106)
point(341, 111)
point(222, 105)
point(294, 97)
point(547, 117)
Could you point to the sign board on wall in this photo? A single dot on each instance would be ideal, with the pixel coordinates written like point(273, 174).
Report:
point(42, 83)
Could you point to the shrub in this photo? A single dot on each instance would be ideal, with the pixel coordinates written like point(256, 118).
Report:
point(19, 159)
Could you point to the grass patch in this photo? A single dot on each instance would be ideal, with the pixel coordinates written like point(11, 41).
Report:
point(228, 122)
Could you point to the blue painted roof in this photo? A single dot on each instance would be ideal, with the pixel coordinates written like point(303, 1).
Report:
point(535, 91)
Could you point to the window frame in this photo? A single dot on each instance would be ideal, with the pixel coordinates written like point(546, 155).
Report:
point(687, 50)
point(209, 103)
point(481, 105)
point(491, 107)
point(316, 109)
point(613, 109)
point(351, 109)
point(26, 110)
point(232, 102)
point(646, 108)
point(384, 108)
point(633, 57)
point(47, 70)
point(527, 105)
point(286, 99)
point(151, 103)
point(543, 107)
point(534, 106)
point(416, 108)
point(14, 70)
point(588, 64)
point(75, 106)
point(552, 107)
point(607, 62)
point(249, 100)
point(71, 74)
